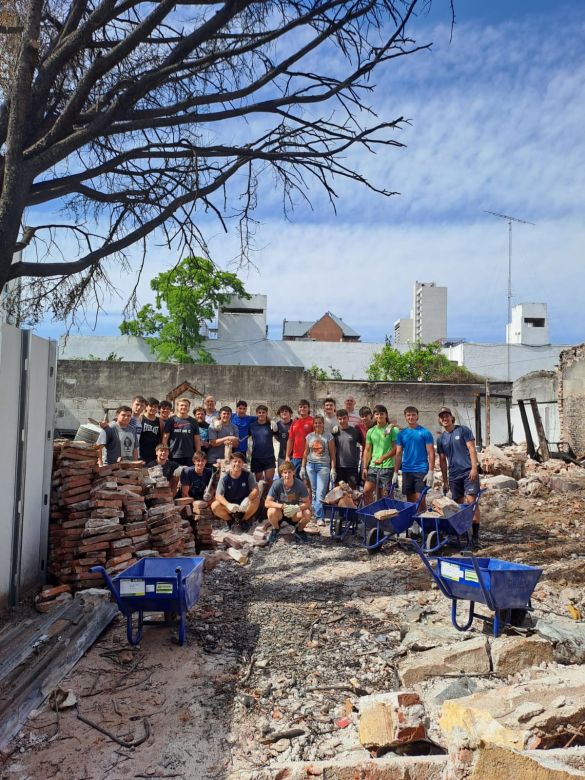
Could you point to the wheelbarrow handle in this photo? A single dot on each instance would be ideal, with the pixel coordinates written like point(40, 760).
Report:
point(420, 498)
point(440, 584)
point(111, 587)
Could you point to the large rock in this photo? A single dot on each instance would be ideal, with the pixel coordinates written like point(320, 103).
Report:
point(425, 636)
point(525, 715)
point(565, 483)
point(510, 462)
point(567, 637)
point(470, 657)
point(496, 763)
point(500, 482)
point(390, 719)
point(514, 653)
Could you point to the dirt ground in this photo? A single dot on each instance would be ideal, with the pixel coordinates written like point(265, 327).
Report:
point(282, 646)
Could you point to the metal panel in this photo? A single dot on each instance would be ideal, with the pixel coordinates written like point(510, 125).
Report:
point(10, 349)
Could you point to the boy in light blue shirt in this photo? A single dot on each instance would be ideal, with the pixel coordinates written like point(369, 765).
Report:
point(415, 454)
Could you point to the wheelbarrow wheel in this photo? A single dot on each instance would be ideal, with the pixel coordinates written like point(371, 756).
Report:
point(170, 618)
point(372, 541)
point(430, 541)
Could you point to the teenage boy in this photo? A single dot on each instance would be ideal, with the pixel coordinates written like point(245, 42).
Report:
point(203, 425)
point(170, 469)
point(237, 497)
point(354, 418)
point(138, 405)
point(379, 452)
point(196, 478)
point(152, 430)
point(329, 416)
point(118, 439)
point(222, 431)
point(181, 434)
point(415, 454)
point(210, 410)
point(458, 462)
point(165, 410)
point(242, 420)
point(262, 434)
point(347, 440)
point(282, 428)
point(288, 498)
point(297, 433)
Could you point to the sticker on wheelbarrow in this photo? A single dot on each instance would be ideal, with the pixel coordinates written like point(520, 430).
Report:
point(471, 576)
point(450, 571)
point(164, 587)
point(132, 587)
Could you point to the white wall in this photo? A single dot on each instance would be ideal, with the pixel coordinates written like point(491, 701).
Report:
point(491, 360)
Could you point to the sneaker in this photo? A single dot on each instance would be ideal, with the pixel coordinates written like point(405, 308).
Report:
point(245, 525)
point(273, 536)
point(300, 536)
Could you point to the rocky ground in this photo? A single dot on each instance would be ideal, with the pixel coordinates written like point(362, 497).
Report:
point(281, 652)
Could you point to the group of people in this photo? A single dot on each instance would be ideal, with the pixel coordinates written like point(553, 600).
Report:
point(307, 453)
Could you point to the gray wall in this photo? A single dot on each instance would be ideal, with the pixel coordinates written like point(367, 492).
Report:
point(84, 388)
point(572, 398)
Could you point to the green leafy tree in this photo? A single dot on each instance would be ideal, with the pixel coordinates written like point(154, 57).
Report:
point(421, 363)
point(186, 296)
point(318, 373)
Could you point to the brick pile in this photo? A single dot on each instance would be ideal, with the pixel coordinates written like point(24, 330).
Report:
point(202, 522)
point(110, 516)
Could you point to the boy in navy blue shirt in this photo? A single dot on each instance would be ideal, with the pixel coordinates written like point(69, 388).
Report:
point(262, 431)
point(242, 422)
point(458, 461)
point(236, 497)
point(415, 453)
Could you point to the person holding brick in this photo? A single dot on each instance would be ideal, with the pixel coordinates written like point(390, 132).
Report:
point(237, 497)
point(118, 439)
point(170, 469)
point(297, 434)
point(288, 499)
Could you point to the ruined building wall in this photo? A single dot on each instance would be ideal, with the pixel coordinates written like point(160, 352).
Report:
point(571, 390)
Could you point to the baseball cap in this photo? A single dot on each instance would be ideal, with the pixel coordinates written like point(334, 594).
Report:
point(445, 410)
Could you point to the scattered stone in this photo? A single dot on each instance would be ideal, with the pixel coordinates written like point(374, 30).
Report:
point(567, 636)
point(512, 654)
point(239, 556)
point(497, 763)
point(390, 719)
point(470, 657)
point(500, 482)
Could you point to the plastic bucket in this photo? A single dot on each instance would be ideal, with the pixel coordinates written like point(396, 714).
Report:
point(88, 433)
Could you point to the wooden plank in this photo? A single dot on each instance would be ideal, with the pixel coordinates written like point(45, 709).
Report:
point(544, 450)
point(531, 449)
point(30, 683)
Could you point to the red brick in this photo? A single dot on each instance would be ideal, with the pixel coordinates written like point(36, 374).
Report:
point(408, 699)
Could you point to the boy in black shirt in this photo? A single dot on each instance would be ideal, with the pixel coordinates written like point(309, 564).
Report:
point(151, 428)
point(196, 478)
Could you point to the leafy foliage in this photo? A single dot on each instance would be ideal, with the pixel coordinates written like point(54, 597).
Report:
point(422, 363)
point(321, 375)
point(186, 296)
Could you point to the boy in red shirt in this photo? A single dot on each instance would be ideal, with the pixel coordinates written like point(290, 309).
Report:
point(298, 432)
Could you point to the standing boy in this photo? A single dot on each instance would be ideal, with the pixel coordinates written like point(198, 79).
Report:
point(347, 440)
point(181, 434)
point(458, 461)
point(378, 466)
point(415, 453)
point(118, 439)
point(262, 434)
point(298, 432)
point(282, 429)
point(242, 421)
point(151, 431)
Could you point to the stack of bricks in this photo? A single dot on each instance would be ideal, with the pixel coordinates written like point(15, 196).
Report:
point(169, 534)
point(184, 505)
point(74, 468)
point(202, 521)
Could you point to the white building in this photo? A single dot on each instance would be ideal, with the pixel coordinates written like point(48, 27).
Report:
point(529, 325)
point(403, 331)
point(429, 312)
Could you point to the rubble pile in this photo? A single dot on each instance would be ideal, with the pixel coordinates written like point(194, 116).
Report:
point(202, 520)
point(343, 495)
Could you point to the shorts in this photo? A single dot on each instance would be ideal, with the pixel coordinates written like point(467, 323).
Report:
point(348, 474)
point(413, 482)
point(463, 486)
point(383, 477)
point(259, 465)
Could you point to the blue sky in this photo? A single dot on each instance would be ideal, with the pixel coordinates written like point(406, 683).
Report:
point(496, 123)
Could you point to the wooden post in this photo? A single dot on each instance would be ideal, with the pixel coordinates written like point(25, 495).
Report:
point(509, 419)
point(478, 439)
point(527, 432)
point(544, 450)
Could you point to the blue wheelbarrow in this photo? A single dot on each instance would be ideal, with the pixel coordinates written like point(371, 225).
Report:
point(169, 585)
point(378, 532)
point(437, 532)
point(504, 587)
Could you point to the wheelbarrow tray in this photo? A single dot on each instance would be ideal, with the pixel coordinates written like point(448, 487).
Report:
point(457, 524)
point(151, 584)
point(508, 585)
point(391, 525)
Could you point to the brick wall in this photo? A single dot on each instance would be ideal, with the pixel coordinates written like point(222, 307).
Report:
point(326, 330)
point(571, 389)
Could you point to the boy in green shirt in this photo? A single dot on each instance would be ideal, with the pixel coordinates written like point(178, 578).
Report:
point(379, 455)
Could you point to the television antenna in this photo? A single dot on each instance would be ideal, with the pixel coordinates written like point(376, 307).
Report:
point(509, 220)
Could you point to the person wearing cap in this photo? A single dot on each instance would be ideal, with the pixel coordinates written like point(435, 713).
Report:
point(459, 467)
point(415, 454)
point(353, 417)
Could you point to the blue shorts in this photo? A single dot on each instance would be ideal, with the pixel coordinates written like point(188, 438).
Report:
point(463, 486)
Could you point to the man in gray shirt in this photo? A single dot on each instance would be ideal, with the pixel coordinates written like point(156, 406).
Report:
point(119, 439)
point(222, 431)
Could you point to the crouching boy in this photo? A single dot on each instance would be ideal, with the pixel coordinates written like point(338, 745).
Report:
point(237, 497)
point(288, 498)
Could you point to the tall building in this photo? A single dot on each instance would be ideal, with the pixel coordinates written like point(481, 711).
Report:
point(429, 312)
point(403, 331)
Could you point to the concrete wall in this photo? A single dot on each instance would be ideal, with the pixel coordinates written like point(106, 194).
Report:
point(84, 388)
point(572, 398)
point(542, 385)
point(491, 360)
